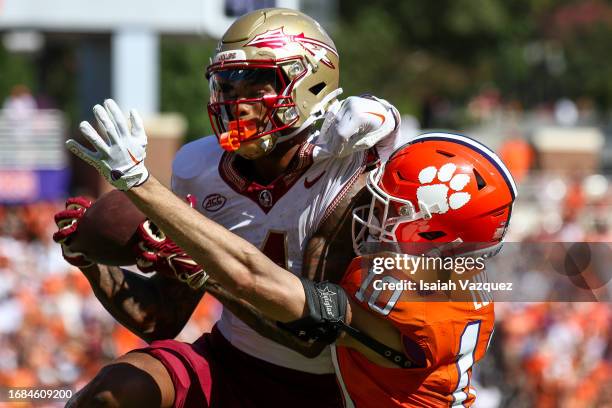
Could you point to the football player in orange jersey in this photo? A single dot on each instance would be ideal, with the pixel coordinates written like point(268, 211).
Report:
point(395, 348)
point(446, 193)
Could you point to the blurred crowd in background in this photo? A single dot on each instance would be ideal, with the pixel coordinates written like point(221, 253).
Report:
point(547, 355)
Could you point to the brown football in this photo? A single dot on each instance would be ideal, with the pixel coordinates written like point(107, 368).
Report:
point(106, 233)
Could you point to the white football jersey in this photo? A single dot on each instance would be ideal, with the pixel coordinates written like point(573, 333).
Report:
point(278, 218)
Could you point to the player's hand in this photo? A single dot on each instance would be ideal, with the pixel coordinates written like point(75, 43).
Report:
point(156, 252)
point(120, 150)
point(358, 124)
point(67, 222)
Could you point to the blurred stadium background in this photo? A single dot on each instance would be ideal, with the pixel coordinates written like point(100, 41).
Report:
point(531, 78)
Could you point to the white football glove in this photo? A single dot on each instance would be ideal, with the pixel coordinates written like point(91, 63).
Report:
point(358, 124)
point(119, 155)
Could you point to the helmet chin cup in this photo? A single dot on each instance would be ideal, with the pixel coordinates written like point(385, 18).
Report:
point(256, 148)
point(239, 131)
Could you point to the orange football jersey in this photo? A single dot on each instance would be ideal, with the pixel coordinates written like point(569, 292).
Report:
point(444, 339)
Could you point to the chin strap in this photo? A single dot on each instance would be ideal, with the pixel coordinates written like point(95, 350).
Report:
point(318, 112)
point(396, 357)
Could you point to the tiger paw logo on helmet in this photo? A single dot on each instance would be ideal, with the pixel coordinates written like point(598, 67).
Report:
point(445, 194)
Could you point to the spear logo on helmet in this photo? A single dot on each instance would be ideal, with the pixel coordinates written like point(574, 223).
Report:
point(277, 38)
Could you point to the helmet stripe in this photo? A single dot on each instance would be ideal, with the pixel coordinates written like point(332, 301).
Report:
point(474, 145)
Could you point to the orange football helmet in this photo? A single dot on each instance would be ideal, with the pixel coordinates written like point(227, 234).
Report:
point(440, 188)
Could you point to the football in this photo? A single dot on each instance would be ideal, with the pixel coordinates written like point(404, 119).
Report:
point(106, 233)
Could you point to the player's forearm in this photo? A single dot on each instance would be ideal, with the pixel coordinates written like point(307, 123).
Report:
point(235, 263)
point(263, 325)
point(136, 301)
point(112, 287)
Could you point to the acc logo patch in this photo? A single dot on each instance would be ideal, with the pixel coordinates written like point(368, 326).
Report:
point(213, 202)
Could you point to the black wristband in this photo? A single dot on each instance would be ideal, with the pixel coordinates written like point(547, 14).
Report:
point(326, 313)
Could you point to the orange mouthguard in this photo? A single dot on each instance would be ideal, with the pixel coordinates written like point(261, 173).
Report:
point(239, 131)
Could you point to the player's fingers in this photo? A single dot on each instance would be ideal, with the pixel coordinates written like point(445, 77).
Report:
point(345, 110)
point(137, 123)
point(150, 231)
point(106, 123)
point(185, 261)
point(68, 215)
point(145, 259)
point(116, 116)
point(76, 202)
point(143, 250)
point(82, 152)
point(61, 235)
point(93, 137)
point(65, 223)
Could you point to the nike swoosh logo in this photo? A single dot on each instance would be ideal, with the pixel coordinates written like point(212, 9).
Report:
point(310, 183)
point(382, 117)
point(135, 160)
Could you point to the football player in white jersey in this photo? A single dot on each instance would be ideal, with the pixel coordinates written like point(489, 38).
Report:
point(395, 346)
point(286, 153)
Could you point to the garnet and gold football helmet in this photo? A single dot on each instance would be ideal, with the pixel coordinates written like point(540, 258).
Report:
point(281, 47)
point(439, 189)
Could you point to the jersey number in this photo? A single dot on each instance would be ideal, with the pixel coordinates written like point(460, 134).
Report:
point(467, 341)
point(275, 247)
point(465, 360)
point(361, 293)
